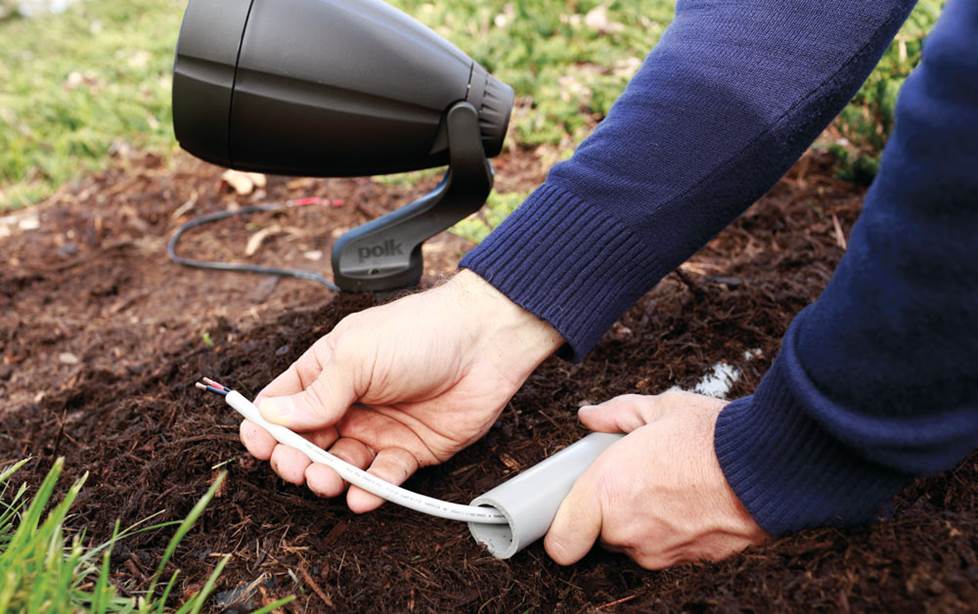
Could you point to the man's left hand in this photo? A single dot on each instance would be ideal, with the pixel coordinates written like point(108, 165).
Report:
point(658, 495)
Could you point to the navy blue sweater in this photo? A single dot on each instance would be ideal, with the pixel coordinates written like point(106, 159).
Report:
point(876, 382)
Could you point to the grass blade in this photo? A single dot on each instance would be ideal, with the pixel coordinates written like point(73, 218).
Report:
point(198, 601)
point(103, 592)
point(31, 518)
point(184, 528)
point(9, 471)
point(275, 605)
point(161, 606)
point(7, 590)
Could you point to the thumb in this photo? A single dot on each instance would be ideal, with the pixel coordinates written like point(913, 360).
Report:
point(577, 524)
point(622, 414)
point(320, 404)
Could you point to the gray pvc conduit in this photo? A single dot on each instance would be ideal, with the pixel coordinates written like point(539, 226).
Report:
point(530, 500)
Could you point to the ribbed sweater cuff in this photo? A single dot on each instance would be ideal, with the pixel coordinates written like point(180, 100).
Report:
point(569, 263)
point(788, 471)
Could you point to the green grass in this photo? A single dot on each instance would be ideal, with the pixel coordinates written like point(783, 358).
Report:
point(74, 84)
point(477, 227)
point(865, 125)
point(571, 71)
point(43, 570)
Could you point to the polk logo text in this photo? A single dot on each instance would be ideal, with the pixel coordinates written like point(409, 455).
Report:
point(388, 248)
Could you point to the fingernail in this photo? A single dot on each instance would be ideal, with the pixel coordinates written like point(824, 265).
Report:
point(585, 409)
point(277, 410)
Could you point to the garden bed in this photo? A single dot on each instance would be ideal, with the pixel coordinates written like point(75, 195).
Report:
point(102, 339)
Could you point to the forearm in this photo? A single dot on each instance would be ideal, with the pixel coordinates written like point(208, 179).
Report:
point(722, 107)
point(876, 381)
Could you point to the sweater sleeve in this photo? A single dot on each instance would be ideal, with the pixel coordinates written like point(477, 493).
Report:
point(725, 103)
point(877, 381)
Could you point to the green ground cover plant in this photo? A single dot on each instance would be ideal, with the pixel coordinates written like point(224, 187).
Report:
point(865, 124)
point(42, 569)
point(76, 85)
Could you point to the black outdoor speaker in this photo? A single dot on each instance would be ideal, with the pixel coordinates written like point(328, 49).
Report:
point(339, 88)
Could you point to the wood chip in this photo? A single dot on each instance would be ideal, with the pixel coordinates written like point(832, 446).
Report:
point(255, 241)
point(840, 236)
point(511, 463)
point(334, 534)
point(307, 579)
point(612, 604)
point(185, 208)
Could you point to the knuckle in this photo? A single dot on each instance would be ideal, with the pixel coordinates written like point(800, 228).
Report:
point(402, 466)
point(351, 322)
point(347, 322)
point(331, 340)
point(346, 348)
point(631, 399)
point(672, 394)
point(338, 339)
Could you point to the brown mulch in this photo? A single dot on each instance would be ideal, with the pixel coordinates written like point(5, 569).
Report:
point(101, 340)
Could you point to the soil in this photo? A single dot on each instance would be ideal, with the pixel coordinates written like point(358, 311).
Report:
point(101, 340)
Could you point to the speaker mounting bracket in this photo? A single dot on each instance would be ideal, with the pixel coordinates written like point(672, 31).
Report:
point(386, 253)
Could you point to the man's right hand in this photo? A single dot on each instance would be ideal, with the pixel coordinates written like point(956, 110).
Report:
point(402, 386)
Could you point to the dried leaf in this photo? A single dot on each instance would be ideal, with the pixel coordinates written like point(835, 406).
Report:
point(243, 183)
point(258, 179)
point(255, 241)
